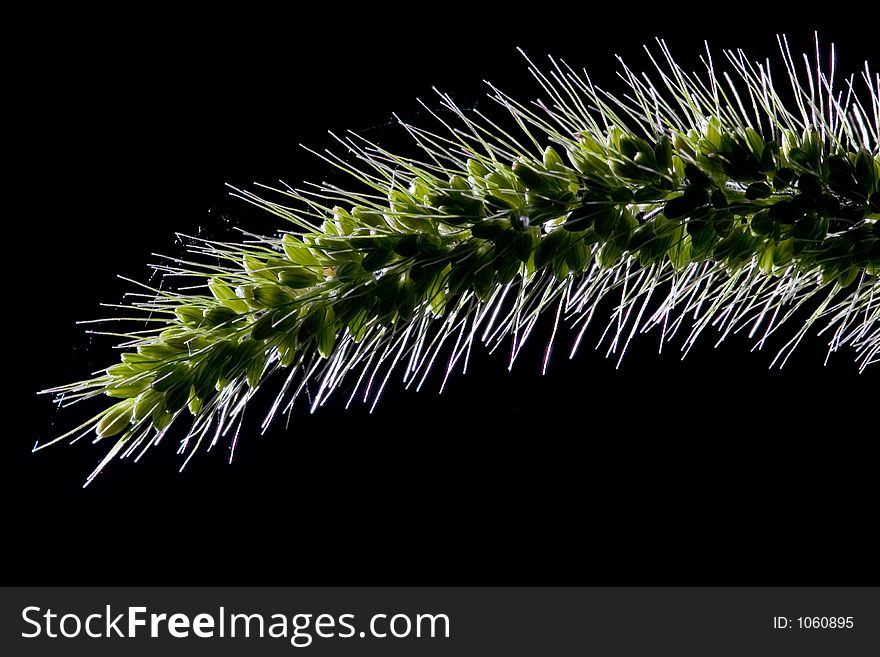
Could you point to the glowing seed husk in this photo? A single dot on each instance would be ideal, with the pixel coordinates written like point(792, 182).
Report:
point(194, 405)
point(170, 376)
point(125, 388)
point(116, 420)
point(179, 339)
point(121, 370)
point(157, 350)
point(326, 338)
point(161, 419)
point(146, 404)
point(226, 295)
point(189, 315)
point(136, 361)
point(287, 349)
point(264, 327)
point(297, 278)
point(219, 315)
point(257, 268)
point(271, 296)
point(177, 396)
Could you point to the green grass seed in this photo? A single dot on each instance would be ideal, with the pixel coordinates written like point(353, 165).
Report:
point(718, 213)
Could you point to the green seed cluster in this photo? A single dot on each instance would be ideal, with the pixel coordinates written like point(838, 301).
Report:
point(722, 195)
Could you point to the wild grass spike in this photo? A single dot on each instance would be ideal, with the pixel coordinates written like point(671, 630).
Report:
point(694, 201)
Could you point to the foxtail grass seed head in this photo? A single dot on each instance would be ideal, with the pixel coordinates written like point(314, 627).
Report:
point(700, 200)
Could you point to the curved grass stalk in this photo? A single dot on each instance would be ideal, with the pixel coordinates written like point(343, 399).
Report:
point(693, 201)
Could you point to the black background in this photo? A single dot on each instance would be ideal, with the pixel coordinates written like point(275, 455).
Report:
point(711, 470)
